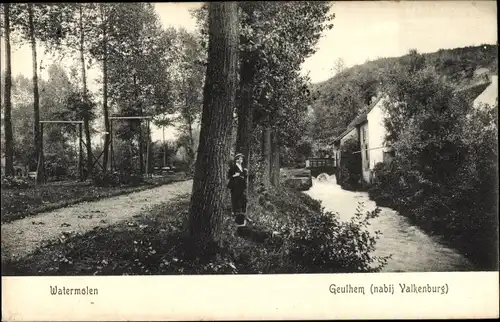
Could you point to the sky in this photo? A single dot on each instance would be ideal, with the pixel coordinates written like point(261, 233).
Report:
point(362, 31)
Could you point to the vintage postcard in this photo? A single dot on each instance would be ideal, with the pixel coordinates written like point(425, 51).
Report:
point(249, 160)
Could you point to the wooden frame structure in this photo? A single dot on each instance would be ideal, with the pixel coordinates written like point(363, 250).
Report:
point(148, 124)
point(40, 170)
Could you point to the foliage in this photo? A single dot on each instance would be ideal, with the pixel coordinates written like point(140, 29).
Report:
point(9, 182)
point(59, 100)
point(309, 240)
point(447, 152)
point(139, 54)
point(296, 155)
point(107, 179)
point(49, 20)
point(350, 165)
point(270, 62)
point(341, 98)
point(188, 76)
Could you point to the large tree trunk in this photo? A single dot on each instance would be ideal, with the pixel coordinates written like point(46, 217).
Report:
point(107, 127)
point(266, 155)
point(209, 184)
point(86, 121)
point(9, 138)
point(275, 158)
point(36, 97)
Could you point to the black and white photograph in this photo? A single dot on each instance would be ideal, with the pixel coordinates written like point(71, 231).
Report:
point(249, 138)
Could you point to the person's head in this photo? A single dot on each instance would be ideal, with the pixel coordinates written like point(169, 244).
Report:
point(238, 158)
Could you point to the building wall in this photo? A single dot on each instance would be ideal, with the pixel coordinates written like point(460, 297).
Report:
point(377, 132)
point(364, 136)
point(490, 94)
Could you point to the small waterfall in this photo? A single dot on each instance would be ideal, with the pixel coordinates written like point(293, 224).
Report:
point(326, 178)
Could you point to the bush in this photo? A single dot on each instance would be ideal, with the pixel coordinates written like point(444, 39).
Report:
point(114, 179)
point(15, 182)
point(106, 179)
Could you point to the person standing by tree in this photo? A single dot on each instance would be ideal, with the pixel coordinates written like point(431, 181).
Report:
point(237, 176)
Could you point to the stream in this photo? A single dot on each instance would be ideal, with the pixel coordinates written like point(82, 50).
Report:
point(412, 249)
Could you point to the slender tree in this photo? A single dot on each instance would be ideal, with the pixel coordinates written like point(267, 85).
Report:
point(9, 139)
point(206, 206)
point(34, 21)
point(105, 109)
point(86, 116)
point(36, 97)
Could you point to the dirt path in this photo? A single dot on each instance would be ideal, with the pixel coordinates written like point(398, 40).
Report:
point(21, 237)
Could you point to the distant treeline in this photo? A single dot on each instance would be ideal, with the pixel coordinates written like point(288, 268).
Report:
point(339, 99)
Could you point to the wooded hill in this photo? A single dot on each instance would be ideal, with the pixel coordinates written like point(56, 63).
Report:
point(339, 99)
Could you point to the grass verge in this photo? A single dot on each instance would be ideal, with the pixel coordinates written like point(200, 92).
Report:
point(21, 203)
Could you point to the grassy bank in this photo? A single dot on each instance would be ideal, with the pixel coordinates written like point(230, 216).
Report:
point(290, 234)
point(22, 202)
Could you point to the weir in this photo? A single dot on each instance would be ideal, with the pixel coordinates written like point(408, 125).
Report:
point(321, 165)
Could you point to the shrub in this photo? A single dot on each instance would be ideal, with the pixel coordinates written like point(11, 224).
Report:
point(108, 179)
point(15, 182)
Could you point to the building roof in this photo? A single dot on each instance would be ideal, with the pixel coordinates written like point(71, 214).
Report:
point(473, 91)
point(360, 119)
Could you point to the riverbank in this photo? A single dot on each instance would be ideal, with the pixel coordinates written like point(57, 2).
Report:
point(411, 248)
point(289, 234)
point(461, 217)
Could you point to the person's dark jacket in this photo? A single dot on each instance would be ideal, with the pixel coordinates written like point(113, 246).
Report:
point(238, 182)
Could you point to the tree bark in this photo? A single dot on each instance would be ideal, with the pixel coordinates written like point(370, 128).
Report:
point(266, 155)
point(107, 127)
point(275, 159)
point(9, 138)
point(209, 184)
point(36, 97)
